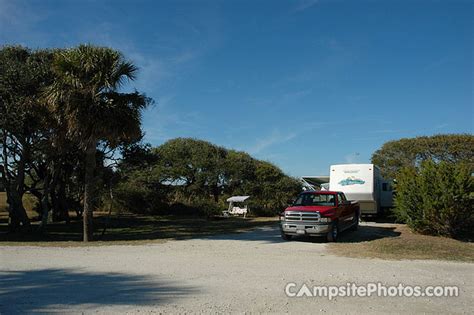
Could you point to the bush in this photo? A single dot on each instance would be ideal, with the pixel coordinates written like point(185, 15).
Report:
point(137, 198)
point(208, 208)
point(259, 211)
point(198, 207)
point(436, 199)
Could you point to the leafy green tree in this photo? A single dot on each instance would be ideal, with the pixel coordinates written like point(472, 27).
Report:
point(436, 198)
point(406, 152)
point(142, 184)
point(85, 96)
point(195, 176)
point(23, 75)
point(195, 165)
point(239, 172)
point(272, 189)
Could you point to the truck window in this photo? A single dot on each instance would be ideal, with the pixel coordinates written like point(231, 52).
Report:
point(311, 199)
point(341, 198)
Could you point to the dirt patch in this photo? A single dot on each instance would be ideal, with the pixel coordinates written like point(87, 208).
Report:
point(396, 241)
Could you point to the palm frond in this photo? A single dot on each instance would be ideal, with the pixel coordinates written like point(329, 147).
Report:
point(85, 94)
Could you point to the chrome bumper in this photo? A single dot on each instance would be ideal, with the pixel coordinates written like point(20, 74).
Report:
point(304, 228)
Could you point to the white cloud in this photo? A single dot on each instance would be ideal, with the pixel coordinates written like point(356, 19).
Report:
point(441, 126)
point(163, 121)
point(304, 5)
point(276, 137)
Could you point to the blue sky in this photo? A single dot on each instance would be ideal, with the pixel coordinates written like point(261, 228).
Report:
point(303, 84)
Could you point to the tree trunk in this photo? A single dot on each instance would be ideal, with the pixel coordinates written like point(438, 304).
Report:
point(45, 204)
point(20, 183)
point(111, 195)
point(15, 187)
point(61, 200)
point(14, 222)
point(215, 192)
point(89, 190)
point(55, 170)
point(17, 210)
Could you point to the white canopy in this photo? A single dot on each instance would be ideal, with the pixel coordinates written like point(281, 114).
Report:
point(238, 198)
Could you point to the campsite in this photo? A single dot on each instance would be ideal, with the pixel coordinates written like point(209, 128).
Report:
point(289, 156)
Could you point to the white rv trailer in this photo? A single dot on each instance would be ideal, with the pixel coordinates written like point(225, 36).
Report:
point(362, 182)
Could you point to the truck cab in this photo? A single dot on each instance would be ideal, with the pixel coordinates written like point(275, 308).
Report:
point(319, 213)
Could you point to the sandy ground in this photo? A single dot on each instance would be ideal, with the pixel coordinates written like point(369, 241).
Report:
point(229, 273)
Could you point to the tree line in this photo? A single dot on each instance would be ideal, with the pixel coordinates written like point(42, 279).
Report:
point(186, 175)
point(70, 137)
point(63, 113)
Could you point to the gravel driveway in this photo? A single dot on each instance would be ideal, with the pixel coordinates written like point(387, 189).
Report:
point(227, 273)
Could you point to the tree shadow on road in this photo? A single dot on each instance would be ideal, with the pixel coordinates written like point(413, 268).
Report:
point(130, 227)
point(56, 290)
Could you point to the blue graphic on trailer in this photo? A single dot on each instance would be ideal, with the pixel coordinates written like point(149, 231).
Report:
point(351, 181)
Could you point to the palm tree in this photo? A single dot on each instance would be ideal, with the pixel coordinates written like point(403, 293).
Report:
point(86, 99)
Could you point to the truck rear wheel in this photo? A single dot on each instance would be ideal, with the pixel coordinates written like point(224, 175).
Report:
point(355, 224)
point(286, 237)
point(333, 233)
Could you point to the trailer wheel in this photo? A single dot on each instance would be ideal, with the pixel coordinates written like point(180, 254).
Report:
point(333, 233)
point(286, 237)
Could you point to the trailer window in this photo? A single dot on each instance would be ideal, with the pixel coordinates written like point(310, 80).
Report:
point(315, 200)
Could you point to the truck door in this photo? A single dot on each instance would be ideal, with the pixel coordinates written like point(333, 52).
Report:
point(342, 209)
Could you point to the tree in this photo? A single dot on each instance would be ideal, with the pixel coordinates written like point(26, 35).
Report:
point(195, 165)
point(141, 184)
point(273, 190)
point(406, 152)
point(239, 172)
point(195, 176)
point(23, 75)
point(436, 198)
point(85, 97)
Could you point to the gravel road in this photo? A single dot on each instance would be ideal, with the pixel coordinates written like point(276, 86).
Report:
point(228, 273)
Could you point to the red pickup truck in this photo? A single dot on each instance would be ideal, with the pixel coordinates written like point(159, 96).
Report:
point(319, 213)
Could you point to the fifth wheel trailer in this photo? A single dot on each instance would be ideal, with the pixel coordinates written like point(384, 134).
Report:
point(362, 182)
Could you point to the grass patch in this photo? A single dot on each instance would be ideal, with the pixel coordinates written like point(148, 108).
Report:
point(28, 201)
point(129, 229)
point(3, 201)
point(404, 244)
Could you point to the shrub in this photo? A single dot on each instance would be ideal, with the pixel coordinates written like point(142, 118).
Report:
point(436, 198)
point(208, 208)
point(137, 198)
point(199, 207)
point(259, 211)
